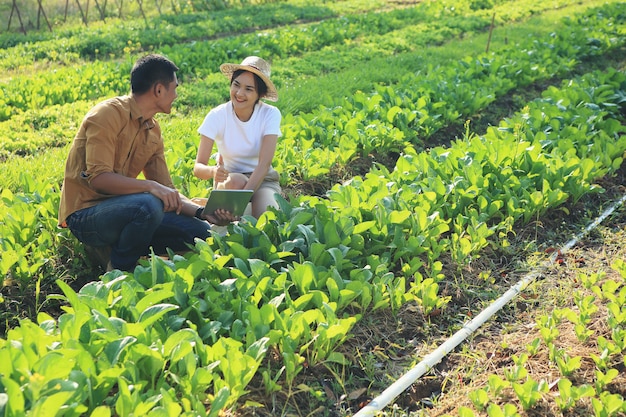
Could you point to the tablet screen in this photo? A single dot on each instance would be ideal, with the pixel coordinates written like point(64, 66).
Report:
point(234, 201)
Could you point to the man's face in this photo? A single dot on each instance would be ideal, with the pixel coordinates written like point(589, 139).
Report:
point(167, 96)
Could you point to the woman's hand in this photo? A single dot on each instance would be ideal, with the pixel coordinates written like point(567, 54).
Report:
point(221, 174)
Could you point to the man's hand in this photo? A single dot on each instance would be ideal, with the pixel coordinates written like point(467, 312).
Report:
point(220, 217)
point(170, 197)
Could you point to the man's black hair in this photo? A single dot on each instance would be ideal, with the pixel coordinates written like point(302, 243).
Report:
point(150, 70)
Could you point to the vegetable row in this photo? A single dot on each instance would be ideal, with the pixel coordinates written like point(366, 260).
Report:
point(188, 336)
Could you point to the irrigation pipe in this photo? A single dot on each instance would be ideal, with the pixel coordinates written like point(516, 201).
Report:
point(432, 359)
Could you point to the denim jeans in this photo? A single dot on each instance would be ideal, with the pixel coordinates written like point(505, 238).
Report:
point(131, 224)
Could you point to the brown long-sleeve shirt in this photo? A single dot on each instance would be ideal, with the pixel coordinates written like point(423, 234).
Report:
point(113, 137)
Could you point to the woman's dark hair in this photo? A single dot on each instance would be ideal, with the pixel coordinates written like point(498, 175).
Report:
point(260, 85)
point(150, 70)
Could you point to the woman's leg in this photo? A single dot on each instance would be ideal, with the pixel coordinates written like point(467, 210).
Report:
point(235, 181)
point(265, 197)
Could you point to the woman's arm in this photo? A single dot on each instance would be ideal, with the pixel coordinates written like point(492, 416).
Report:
point(201, 168)
point(266, 155)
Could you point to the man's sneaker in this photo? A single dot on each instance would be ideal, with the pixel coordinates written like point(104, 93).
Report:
point(100, 255)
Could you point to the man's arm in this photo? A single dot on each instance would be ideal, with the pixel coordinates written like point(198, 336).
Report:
point(116, 184)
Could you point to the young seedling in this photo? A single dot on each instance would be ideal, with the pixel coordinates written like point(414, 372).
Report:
point(566, 364)
point(479, 398)
point(496, 384)
point(570, 394)
point(530, 392)
point(518, 371)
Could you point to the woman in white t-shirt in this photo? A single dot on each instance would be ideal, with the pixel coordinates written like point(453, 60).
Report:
point(245, 131)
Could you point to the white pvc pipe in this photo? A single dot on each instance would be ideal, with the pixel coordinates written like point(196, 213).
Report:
point(432, 359)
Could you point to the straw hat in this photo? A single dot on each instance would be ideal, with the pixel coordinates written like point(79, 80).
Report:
point(257, 66)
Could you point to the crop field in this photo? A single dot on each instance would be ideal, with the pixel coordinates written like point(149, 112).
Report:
point(433, 154)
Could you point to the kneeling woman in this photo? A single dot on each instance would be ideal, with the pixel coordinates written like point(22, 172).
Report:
point(245, 131)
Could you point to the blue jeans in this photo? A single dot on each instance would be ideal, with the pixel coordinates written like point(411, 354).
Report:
point(131, 224)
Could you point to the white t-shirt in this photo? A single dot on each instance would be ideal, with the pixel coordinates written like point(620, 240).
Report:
point(239, 142)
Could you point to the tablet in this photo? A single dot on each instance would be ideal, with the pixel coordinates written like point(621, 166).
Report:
point(234, 201)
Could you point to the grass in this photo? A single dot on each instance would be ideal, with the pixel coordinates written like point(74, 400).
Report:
point(388, 70)
point(323, 90)
point(55, 11)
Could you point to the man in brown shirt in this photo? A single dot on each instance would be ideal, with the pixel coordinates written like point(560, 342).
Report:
point(103, 202)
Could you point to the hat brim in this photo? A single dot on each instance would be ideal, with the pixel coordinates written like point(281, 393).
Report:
point(229, 69)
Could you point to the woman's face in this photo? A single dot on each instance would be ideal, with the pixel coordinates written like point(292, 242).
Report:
point(243, 93)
